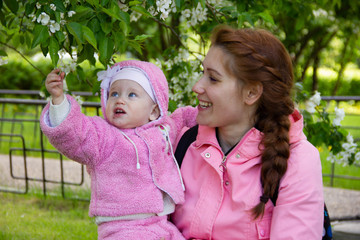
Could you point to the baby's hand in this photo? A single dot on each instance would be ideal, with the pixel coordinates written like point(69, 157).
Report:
point(54, 85)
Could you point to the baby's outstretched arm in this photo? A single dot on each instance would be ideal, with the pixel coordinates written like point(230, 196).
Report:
point(54, 85)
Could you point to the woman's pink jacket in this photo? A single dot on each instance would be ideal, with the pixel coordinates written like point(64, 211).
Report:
point(217, 204)
point(117, 187)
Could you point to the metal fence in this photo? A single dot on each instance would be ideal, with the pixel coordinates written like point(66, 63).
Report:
point(14, 133)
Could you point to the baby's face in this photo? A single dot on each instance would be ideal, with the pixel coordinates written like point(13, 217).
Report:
point(129, 106)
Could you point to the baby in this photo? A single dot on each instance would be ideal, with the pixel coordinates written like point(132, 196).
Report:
point(135, 179)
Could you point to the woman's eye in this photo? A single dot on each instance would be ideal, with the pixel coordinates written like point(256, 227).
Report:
point(132, 94)
point(114, 94)
point(212, 79)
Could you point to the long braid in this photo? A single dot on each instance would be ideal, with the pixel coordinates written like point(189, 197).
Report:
point(258, 56)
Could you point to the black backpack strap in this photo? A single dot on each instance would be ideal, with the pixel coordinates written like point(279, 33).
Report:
point(186, 139)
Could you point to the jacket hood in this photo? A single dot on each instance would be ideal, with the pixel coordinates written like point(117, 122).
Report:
point(157, 81)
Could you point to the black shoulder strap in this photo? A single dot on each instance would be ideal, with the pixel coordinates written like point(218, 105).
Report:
point(186, 139)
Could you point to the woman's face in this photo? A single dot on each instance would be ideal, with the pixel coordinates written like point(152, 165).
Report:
point(220, 94)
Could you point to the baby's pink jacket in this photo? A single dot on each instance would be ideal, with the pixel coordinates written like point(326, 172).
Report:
point(117, 187)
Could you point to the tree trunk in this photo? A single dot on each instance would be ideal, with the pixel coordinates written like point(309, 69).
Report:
point(343, 64)
point(314, 77)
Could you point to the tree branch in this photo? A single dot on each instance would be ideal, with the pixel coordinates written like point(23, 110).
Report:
point(177, 36)
point(23, 56)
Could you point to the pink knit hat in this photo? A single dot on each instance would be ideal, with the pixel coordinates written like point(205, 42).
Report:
point(111, 75)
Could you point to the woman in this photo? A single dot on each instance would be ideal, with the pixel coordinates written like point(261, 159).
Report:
point(249, 145)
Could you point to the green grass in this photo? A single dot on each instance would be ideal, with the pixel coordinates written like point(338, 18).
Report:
point(27, 217)
point(340, 170)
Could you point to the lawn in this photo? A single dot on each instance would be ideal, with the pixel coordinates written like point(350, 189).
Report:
point(35, 217)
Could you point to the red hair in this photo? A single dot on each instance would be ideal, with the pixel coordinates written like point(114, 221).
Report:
point(257, 56)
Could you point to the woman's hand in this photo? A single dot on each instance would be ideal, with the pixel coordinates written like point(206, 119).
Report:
point(54, 85)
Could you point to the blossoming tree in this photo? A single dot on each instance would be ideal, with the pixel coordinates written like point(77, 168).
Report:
point(174, 34)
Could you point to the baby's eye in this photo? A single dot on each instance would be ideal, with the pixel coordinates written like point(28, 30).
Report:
point(132, 94)
point(114, 94)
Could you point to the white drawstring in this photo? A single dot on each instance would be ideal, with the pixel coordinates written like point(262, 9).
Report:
point(137, 155)
point(173, 156)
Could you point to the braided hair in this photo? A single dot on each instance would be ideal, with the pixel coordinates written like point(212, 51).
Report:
point(257, 56)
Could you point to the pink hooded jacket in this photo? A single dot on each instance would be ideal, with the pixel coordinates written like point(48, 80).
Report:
point(118, 188)
point(217, 204)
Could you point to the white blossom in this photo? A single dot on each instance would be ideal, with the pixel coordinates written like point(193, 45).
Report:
point(310, 106)
point(316, 98)
point(186, 13)
point(123, 7)
point(43, 19)
point(71, 13)
point(134, 16)
point(52, 7)
point(195, 15)
point(38, 5)
point(33, 17)
point(54, 26)
point(42, 94)
point(320, 13)
point(164, 8)
point(78, 99)
point(62, 15)
point(313, 102)
point(3, 61)
point(339, 116)
point(152, 11)
point(357, 157)
point(331, 158)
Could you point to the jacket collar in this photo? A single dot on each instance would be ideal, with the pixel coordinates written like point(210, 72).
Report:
point(248, 147)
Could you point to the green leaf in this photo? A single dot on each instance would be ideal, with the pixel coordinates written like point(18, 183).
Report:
point(94, 25)
point(125, 28)
point(178, 4)
point(136, 46)
point(134, 3)
point(141, 10)
point(3, 53)
point(2, 19)
point(104, 2)
point(89, 36)
point(53, 50)
point(86, 54)
point(29, 7)
point(60, 36)
point(75, 29)
point(94, 3)
point(142, 37)
point(120, 41)
point(12, 5)
point(44, 49)
point(111, 13)
point(105, 23)
point(106, 48)
point(41, 34)
point(80, 73)
point(60, 7)
point(125, 17)
point(267, 17)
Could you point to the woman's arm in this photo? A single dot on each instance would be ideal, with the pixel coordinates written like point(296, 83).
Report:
point(299, 209)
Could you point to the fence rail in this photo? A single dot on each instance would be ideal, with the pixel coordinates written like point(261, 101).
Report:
point(9, 119)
